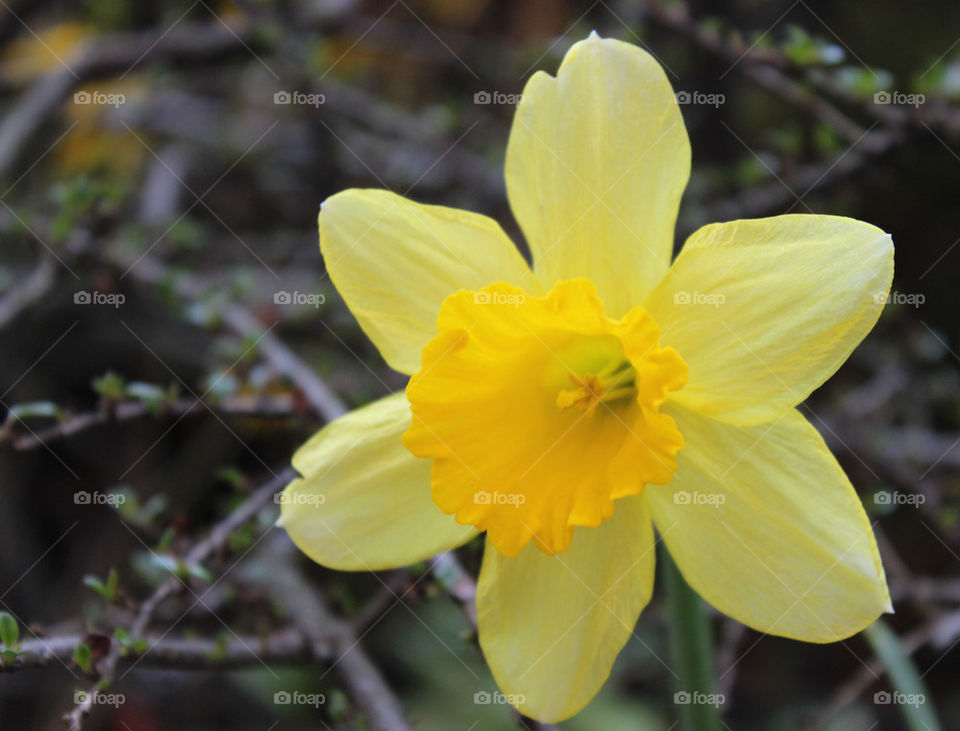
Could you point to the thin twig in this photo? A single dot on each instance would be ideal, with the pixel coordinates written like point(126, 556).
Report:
point(271, 406)
point(30, 290)
point(109, 55)
point(182, 653)
point(330, 636)
point(243, 322)
point(451, 575)
point(761, 66)
point(214, 542)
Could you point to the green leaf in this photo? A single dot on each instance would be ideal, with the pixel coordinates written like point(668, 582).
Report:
point(152, 396)
point(138, 646)
point(167, 563)
point(127, 643)
point(910, 694)
point(220, 648)
point(83, 657)
point(107, 590)
point(166, 540)
point(199, 571)
point(9, 631)
point(34, 409)
point(113, 583)
point(338, 704)
point(110, 386)
point(92, 582)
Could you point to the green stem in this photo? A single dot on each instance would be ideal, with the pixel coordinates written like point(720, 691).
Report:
point(692, 652)
point(911, 696)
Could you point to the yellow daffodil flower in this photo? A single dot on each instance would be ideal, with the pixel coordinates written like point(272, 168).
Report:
point(568, 409)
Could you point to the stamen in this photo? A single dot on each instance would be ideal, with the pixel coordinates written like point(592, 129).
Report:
point(613, 383)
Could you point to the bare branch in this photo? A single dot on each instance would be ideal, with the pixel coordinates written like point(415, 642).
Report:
point(243, 322)
point(182, 653)
point(28, 291)
point(271, 406)
point(214, 542)
point(330, 636)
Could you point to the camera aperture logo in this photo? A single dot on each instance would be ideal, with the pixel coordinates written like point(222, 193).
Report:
point(682, 497)
point(499, 298)
point(299, 498)
point(710, 299)
point(296, 698)
point(99, 298)
point(685, 698)
point(298, 298)
point(700, 98)
point(99, 97)
point(299, 98)
point(886, 698)
point(113, 499)
point(899, 98)
point(499, 498)
point(99, 699)
point(912, 299)
point(497, 97)
point(486, 698)
point(895, 497)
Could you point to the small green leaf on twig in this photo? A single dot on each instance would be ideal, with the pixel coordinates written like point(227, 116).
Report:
point(198, 571)
point(109, 589)
point(31, 410)
point(9, 631)
point(83, 657)
point(127, 643)
point(219, 648)
point(153, 397)
point(338, 705)
point(109, 386)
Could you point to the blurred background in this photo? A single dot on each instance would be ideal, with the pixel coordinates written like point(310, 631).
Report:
point(169, 337)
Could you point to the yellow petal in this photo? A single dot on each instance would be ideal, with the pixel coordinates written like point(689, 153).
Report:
point(363, 502)
point(597, 160)
point(766, 310)
point(551, 626)
point(394, 261)
point(764, 524)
